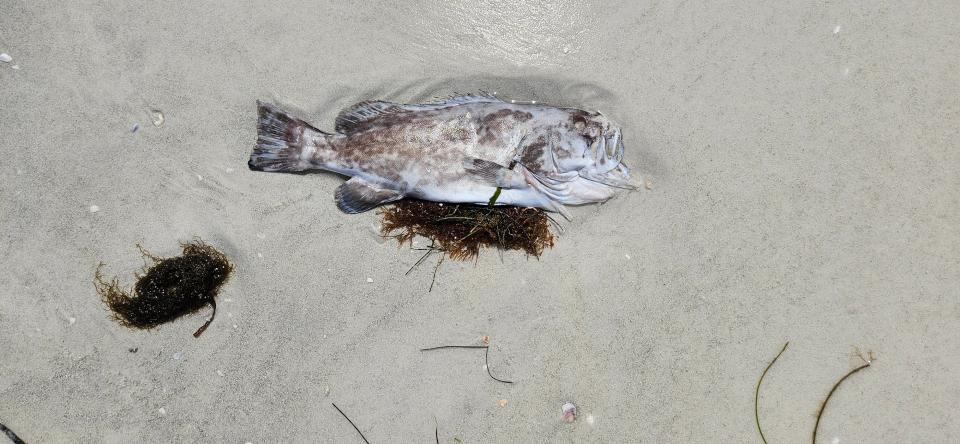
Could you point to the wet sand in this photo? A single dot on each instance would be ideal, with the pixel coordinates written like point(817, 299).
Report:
point(803, 162)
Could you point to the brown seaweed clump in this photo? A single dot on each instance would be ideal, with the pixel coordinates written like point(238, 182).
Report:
point(170, 288)
point(460, 230)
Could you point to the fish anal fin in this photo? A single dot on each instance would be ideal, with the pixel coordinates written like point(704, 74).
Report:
point(357, 195)
point(493, 174)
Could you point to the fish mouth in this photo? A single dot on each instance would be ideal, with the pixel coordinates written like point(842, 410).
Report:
point(608, 167)
point(607, 151)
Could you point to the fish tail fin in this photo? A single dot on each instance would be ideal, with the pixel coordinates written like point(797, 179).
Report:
point(284, 142)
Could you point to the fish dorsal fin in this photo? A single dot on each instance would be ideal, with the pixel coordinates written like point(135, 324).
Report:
point(354, 116)
point(460, 99)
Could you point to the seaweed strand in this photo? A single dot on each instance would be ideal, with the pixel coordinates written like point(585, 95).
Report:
point(462, 230)
point(364, 438)
point(10, 435)
point(756, 395)
point(435, 269)
point(823, 406)
point(168, 288)
point(486, 357)
point(203, 328)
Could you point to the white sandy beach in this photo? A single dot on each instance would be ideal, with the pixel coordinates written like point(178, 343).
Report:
point(804, 165)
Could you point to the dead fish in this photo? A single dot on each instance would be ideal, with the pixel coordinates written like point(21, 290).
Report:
point(466, 149)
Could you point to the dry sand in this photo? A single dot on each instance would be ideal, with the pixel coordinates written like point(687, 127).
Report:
point(804, 162)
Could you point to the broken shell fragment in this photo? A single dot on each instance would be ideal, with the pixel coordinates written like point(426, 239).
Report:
point(157, 117)
point(569, 412)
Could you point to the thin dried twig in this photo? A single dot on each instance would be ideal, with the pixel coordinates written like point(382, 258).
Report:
point(756, 396)
point(351, 423)
point(435, 269)
point(486, 357)
point(10, 435)
point(866, 363)
point(430, 249)
point(487, 362)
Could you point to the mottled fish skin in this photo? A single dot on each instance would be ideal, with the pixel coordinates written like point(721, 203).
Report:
point(459, 150)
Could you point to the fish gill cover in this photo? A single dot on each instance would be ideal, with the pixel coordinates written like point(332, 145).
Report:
point(169, 288)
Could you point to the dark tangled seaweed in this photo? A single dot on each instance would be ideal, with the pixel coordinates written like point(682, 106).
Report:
point(170, 288)
point(460, 230)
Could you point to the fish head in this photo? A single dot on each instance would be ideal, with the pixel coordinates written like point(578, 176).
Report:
point(575, 157)
point(591, 145)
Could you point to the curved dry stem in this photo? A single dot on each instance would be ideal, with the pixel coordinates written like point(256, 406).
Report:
point(823, 406)
point(756, 394)
point(364, 438)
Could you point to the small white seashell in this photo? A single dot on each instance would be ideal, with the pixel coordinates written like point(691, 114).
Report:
point(836, 30)
point(94, 208)
point(569, 412)
point(627, 256)
point(369, 280)
point(72, 320)
point(162, 411)
point(590, 419)
point(15, 66)
point(5, 58)
point(177, 356)
point(219, 372)
point(157, 117)
point(260, 255)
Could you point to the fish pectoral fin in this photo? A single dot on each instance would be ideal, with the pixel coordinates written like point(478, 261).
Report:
point(357, 195)
point(493, 174)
